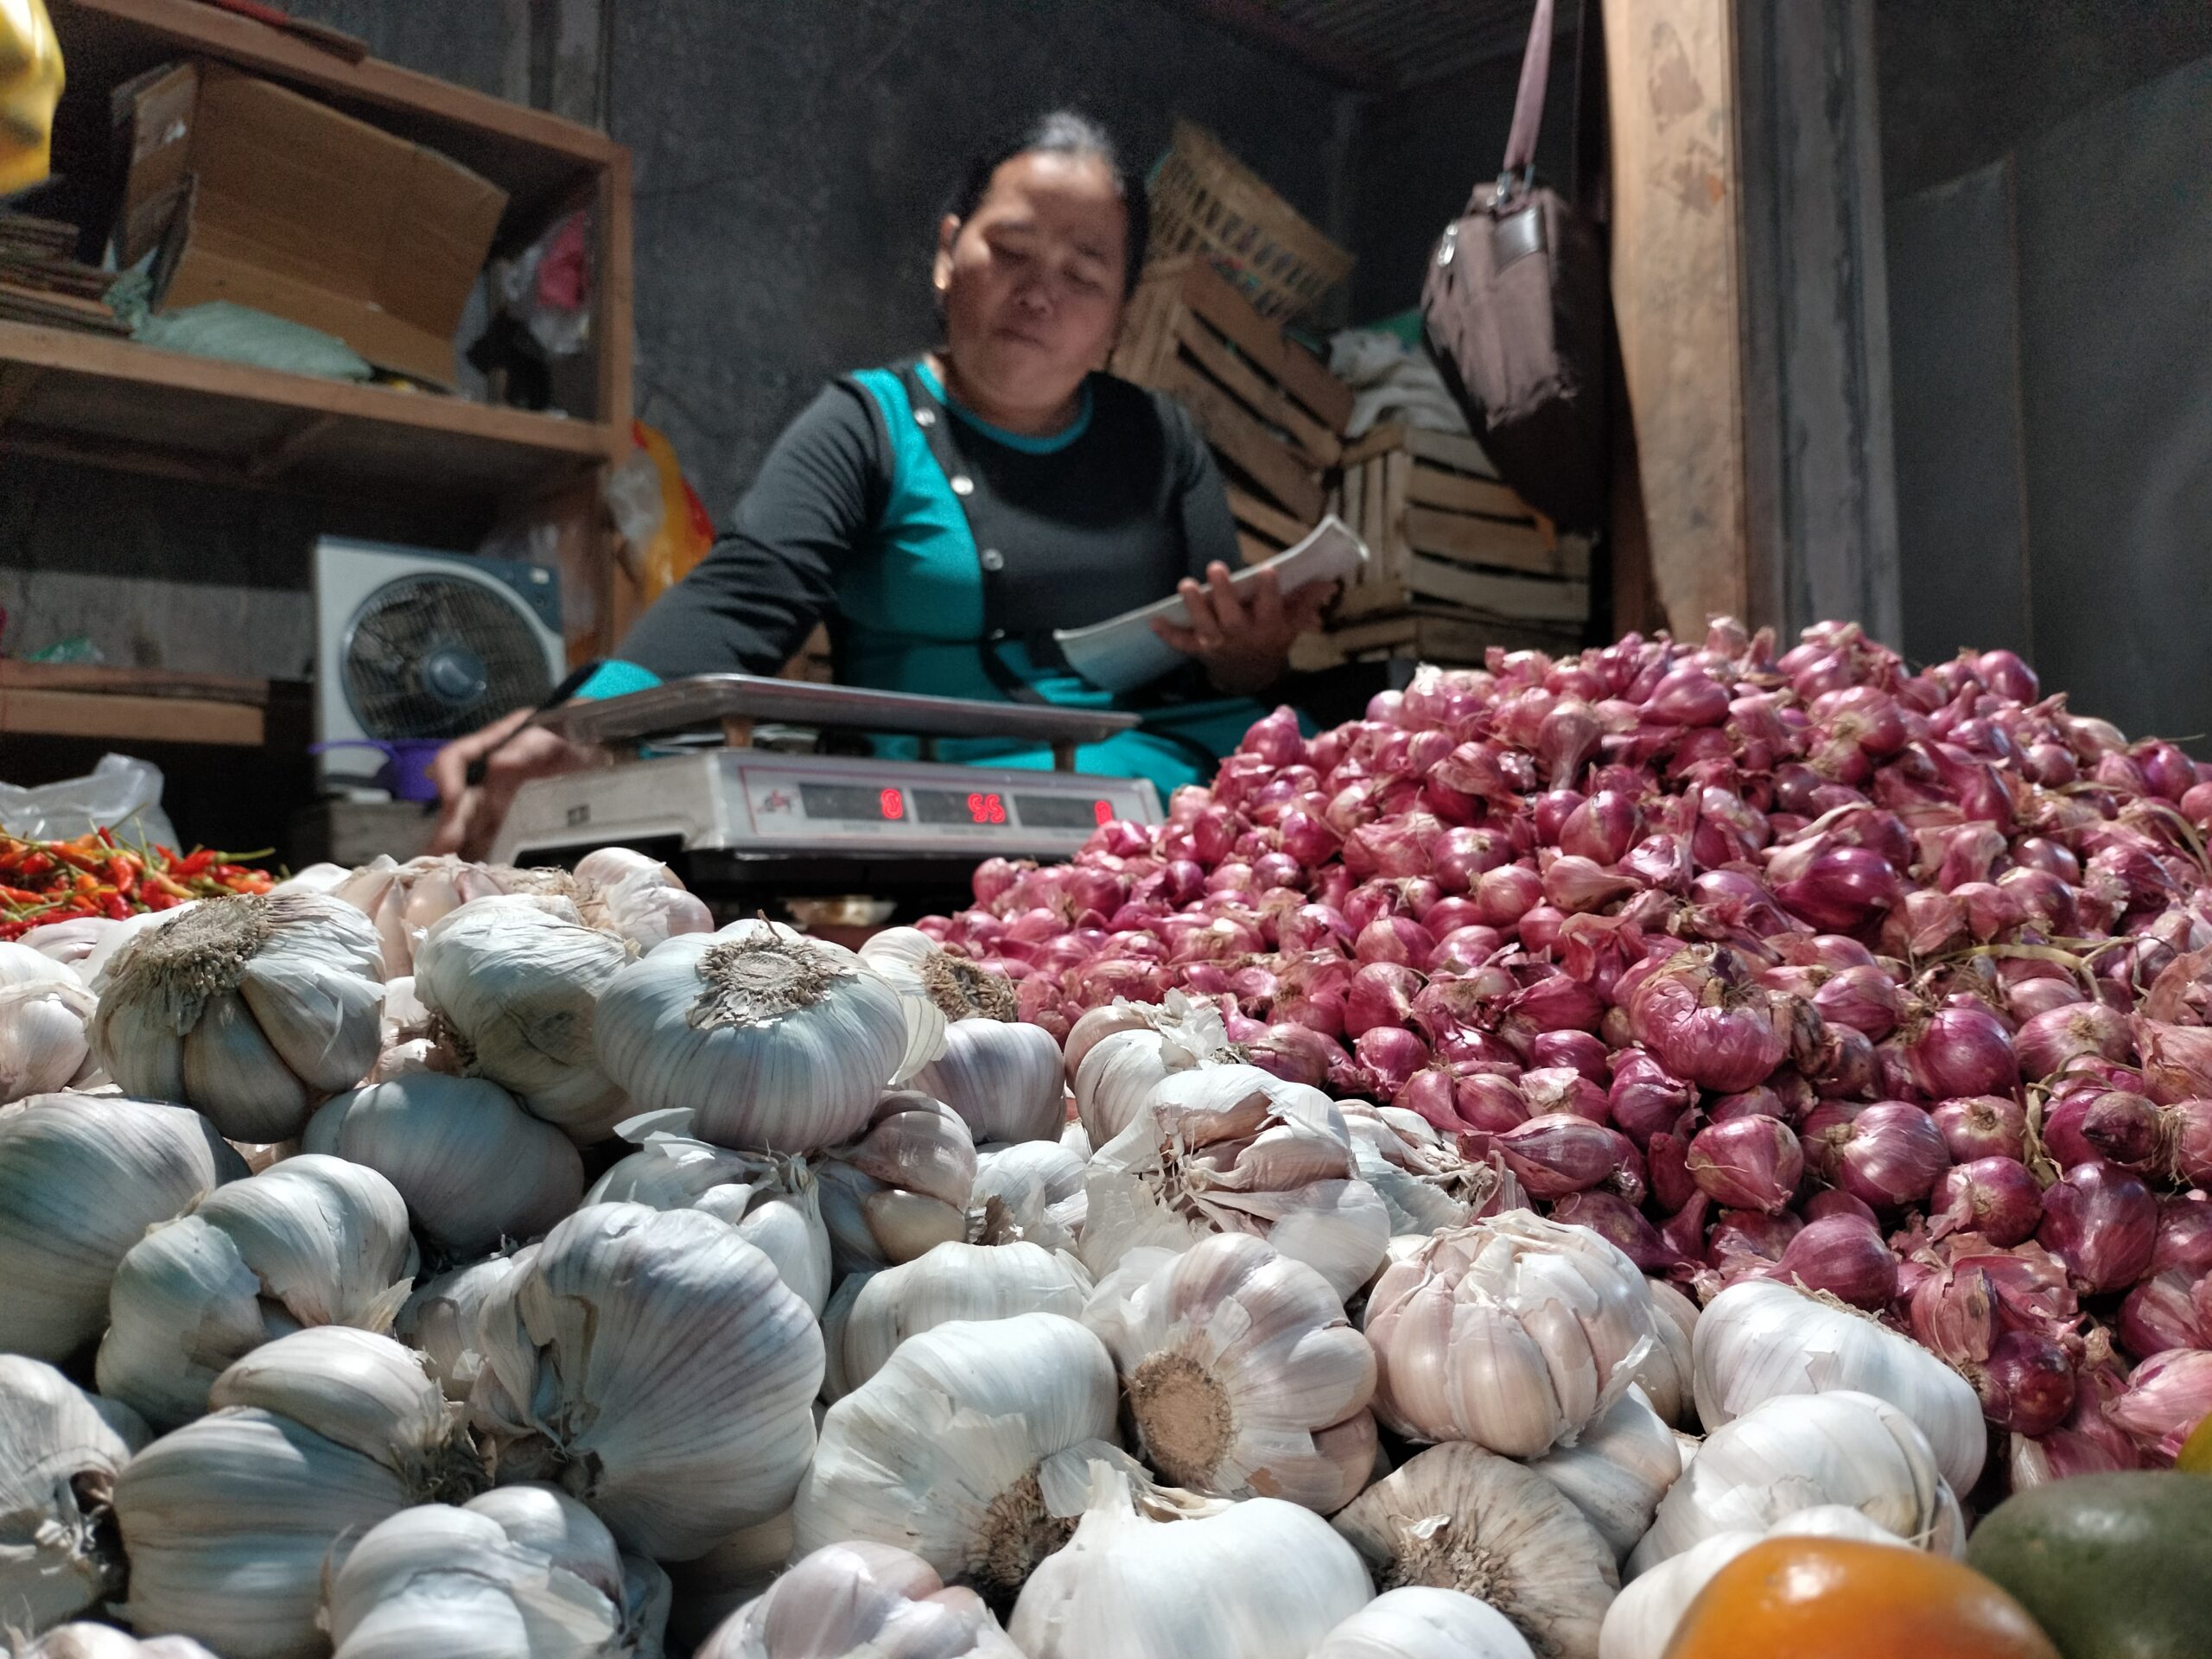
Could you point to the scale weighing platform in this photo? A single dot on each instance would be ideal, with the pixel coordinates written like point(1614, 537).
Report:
point(747, 826)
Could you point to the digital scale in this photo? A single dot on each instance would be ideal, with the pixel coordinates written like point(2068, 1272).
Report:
point(750, 825)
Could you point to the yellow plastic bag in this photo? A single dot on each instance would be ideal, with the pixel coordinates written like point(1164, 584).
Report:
point(30, 86)
point(663, 523)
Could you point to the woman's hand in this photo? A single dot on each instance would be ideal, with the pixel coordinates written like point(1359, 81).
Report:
point(1243, 645)
point(469, 815)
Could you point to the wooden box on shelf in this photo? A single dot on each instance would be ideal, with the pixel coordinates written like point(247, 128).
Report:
point(1456, 561)
point(1272, 413)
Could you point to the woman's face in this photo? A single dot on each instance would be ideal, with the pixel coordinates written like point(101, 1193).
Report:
point(1032, 280)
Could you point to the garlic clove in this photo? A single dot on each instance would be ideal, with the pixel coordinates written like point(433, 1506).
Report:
point(1618, 1470)
point(911, 1144)
point(356, 1389)
point(1457, 1517)
point(439, 1320)
point(1003, 1078)
point(909, 1225)
point(228, 1058)
point(184, 1305)
point(324, 1025)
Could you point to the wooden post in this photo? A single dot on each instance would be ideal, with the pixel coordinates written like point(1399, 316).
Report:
point(1820, 490)
point(1670, 78)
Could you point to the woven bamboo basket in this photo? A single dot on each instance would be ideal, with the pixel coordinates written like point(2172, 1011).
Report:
point(1206, 201)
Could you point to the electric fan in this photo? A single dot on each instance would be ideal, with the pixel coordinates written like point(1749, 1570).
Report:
point(412, 646)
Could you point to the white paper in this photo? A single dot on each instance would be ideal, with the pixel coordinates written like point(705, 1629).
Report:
point(1124, 653)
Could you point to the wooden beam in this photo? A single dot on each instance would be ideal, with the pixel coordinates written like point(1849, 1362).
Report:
point(1337, 60)
point(1677, 294)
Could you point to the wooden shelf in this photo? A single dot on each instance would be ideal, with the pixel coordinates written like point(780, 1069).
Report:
point(86, 396)
point(146, 705)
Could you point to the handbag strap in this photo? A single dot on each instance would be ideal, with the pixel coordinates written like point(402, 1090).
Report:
point(1529, 101)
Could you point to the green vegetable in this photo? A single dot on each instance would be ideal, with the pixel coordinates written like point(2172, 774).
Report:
point(2112, 1566)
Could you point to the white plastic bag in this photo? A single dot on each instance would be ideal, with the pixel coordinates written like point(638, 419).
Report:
point(120, 793)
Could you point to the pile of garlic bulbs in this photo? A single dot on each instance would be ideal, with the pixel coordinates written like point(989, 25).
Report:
point(607, 1286)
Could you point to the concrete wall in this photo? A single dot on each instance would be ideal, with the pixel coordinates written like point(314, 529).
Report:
point(2050, 266)
point(792, 157)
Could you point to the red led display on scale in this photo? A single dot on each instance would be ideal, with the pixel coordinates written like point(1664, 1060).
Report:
point(986, 809)
point(894, 805)
point(1102, 811)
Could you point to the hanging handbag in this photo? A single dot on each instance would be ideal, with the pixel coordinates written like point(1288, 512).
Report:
point(1516, 307)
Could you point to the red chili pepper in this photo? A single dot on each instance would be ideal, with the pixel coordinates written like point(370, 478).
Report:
point(117, 906)
point(195, 864)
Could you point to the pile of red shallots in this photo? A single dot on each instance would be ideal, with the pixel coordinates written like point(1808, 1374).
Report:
point(1897, 985)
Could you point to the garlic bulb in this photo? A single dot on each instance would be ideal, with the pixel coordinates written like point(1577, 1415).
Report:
point(440, 1320)
point(1232, 1150)
point(232, 1520)
point(249, 1010)
point(1243, 1376)
point(653, 1363)
point(861, 1599)
point(82, 1177)
point(1260, 1579)
point(951, 1282)
point(1512, 1333)
point(515, 982)
point(1457, 1517)
point(1759, 1338)
point(939, 1452)
point(43, 1009)
point(771, 1038)
point(1794, 1451)
point(902, 1188)
point(1418, 1623)
point(403, 900)
point(105, 1642)
point(58, 1458)
point(525, 1571)
point(1617, 1471)
point(638, 898)
point(1642, 1620)
point(772, 1199)
point(311, 1241)
point(1032, 1191)
point(1118, 1075)
point(473, 1166)
point(1002, 1077)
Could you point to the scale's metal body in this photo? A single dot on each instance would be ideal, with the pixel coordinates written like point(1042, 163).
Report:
point(746, 824)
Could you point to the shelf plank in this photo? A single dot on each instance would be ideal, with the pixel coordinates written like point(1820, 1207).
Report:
point(138, 681)
point(123, 405)
point(131, 718)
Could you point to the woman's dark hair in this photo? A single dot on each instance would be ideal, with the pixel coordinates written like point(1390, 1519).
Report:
point(1064, 132)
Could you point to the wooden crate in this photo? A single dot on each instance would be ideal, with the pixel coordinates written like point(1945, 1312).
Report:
point(1271, 411)
point(1453, 639)
point(1456, 560)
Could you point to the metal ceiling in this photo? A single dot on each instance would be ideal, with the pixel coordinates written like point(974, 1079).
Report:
point(1381, 45)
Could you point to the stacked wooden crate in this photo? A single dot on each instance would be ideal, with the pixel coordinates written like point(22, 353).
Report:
point(1272, 413)
point(1457, 562)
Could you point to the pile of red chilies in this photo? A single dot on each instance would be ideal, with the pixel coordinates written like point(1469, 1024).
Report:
point(1895, 985)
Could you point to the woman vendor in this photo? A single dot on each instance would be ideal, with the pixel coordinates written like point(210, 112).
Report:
point(944, 515)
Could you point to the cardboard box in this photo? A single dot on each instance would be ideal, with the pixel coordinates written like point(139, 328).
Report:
point(264, 197)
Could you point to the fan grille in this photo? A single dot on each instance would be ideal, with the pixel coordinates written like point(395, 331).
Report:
point(436, 656)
